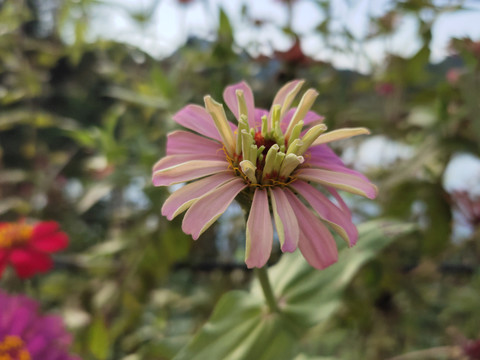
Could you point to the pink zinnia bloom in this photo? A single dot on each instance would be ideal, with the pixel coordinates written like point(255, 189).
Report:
point(269, 163)
point(28, 247)
point(25, 334)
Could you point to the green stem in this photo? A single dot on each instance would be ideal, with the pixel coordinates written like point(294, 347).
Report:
point(262, 275)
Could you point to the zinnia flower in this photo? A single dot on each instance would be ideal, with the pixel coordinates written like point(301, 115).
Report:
point(28, 247)
point(27, 335)
point(268, 162)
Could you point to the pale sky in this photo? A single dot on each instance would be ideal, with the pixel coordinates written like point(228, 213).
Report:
point(171, 24)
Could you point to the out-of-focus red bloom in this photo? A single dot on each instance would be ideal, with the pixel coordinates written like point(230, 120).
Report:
point(453, 75)
point(472, 349)
point(28, 247)
point(294, 55)
point(385, 88)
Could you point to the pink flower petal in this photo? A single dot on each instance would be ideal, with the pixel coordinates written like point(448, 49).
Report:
point(340, 201)
point(183, 198)
point(184, 142)
point(339, 221)
point(230, 97)
point(45, 228)
point(323, 157)
point(174, 160)
point(209, 207)
point(27, 262)
point(282, 94)
point(196, 118)
point(187, 171)
point(339, 180)
point(316, 243)
point(285, 220)
point(259, 231)
point(52, 243)
point(324, 152)
point(3, 261)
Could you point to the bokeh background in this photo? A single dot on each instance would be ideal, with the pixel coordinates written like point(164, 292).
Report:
point(87, 93)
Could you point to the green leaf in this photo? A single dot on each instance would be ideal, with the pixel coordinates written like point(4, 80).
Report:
point(98, 341)
point(241, 326)
point(309, 296)
point(225, 31)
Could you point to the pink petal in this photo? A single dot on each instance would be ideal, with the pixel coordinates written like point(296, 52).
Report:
point(187, 171)
point(316, 243)
point(283, 93)
point(340, 201)
point(311, 118)
point(285, 220)
point(320, 152)
point(45, 228)
point(3, 261)
point(174, 160)
point(259, 231)
point(196, 118)
point(324, 157)
point(209, 207)
point(340, 221)
point(184, 142)
point(339, 180)
point(51, 243)
point(183, 198)
point(230, 97)
point(27, 262)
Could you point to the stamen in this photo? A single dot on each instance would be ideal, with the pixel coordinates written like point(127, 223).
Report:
point(264, 125)
point(249, 170)
point(219, 117)
point(260, 151)
point(278, 162)
point(242, 125)
point(311, 135)
point(305, 104)
point(294, 146)
point(289, 164)
point(289, 98)
point(278, 135)
point(242, 105)
point(269, 162)
point(297, 129)
point(275, 117)
point(247, 140)
point(253, 154)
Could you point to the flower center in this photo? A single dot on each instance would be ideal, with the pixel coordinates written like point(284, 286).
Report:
point(267, 154)
point(265, 144)
point(12, 235)
point(13, 348)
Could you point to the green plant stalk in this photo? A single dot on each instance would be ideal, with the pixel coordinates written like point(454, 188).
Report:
point(262, 275)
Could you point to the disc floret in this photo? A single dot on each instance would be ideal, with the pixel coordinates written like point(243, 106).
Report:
point(267, 155)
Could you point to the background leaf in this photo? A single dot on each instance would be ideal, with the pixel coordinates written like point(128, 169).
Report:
point(241, 326)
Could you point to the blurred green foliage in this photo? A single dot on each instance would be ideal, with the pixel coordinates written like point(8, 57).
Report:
point(82, 122)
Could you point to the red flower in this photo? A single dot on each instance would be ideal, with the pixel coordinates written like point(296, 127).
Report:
point(28, 247)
